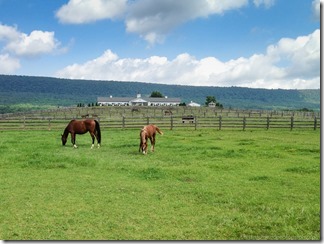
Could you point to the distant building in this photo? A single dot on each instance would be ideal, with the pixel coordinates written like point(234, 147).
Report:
point(138, 101)
point(212, 105)
point(193, 104)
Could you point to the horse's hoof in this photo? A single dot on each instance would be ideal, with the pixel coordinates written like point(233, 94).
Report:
point(75, 146)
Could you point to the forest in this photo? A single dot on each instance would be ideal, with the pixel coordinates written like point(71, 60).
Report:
point(21, 93)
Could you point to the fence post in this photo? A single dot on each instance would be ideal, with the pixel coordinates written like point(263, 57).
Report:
point(315, 122)
point(291, 122)
point(147, 120)
point(220, 122)
point(171, 118)
point(268, 122)
point(123, 122)
point(195, 122)
point(49, 124)
point(24, 126)
point(244, 123)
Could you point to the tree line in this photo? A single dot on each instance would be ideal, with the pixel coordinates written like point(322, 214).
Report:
point(17, 91)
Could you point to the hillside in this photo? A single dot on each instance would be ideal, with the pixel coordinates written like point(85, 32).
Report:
point(18, 93)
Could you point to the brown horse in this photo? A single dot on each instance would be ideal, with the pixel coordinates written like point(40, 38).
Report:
point(148, 132)
point(82, 127)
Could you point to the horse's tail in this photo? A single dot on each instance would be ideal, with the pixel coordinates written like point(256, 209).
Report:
point(159, 131)
point(98, 131)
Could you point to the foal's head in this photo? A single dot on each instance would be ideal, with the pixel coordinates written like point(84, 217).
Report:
point(143, 145)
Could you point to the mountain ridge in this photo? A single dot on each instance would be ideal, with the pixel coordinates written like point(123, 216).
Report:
point(40, 92)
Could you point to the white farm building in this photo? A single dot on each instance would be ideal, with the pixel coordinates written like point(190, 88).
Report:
point(138, 101)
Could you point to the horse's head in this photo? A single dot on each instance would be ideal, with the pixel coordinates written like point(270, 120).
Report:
point(143, 145)
point(64, 139)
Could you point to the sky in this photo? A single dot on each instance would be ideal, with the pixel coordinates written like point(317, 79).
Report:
point(245, 43)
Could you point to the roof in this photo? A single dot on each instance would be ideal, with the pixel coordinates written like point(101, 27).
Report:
point(163, 99)
point(115, 99)
point(193, 104)
point(136, 99)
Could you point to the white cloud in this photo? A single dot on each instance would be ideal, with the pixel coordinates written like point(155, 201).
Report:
point(266, 3)
point(86, 11)
point(37, 43)
point(15, 45)
point(301, 55)
point(290, 64)
point(8, 65)
point(152, 20)
point(316, 7)
point(21, 44)
point(8, 33)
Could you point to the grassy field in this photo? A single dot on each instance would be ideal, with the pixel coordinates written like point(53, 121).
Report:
point(197, 185)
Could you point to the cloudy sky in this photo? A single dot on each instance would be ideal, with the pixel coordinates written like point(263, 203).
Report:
point(248, 43)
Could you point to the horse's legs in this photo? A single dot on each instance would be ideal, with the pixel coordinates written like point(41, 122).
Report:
point(152, 142)
point(143, 145)
point(96, 134)
point(146, 147)
point(73, 140)
point(93, 139)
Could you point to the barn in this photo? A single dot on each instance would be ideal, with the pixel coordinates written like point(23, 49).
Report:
point(138, 101)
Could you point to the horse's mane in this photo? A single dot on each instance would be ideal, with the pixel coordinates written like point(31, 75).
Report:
point(67, 128)
point(66, 131)
point(143, 134)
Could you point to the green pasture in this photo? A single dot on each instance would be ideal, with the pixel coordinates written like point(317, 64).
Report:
point(198, 185)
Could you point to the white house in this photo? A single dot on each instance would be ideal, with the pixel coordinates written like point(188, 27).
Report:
point(193, 104)
point(138, 101)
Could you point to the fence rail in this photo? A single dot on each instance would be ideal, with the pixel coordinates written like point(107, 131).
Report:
point(172, 122)
point(163, 111)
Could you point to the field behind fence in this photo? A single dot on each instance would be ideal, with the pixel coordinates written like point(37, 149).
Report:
point(165, 117)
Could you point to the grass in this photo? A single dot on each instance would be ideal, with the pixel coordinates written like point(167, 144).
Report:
point(197, 185)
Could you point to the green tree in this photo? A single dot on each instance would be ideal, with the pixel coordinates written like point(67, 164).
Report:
point(210, 99)
point(156, 94)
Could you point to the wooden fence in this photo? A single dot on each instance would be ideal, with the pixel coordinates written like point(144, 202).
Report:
point(220, 122)
point(107, 112)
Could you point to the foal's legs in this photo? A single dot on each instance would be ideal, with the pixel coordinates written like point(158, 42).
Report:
point(152, 138)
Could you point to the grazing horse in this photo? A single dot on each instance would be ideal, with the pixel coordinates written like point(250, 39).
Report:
point(82, 127)
point(148, 132)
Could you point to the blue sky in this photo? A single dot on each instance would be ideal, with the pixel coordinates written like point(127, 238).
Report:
point(249, 43)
